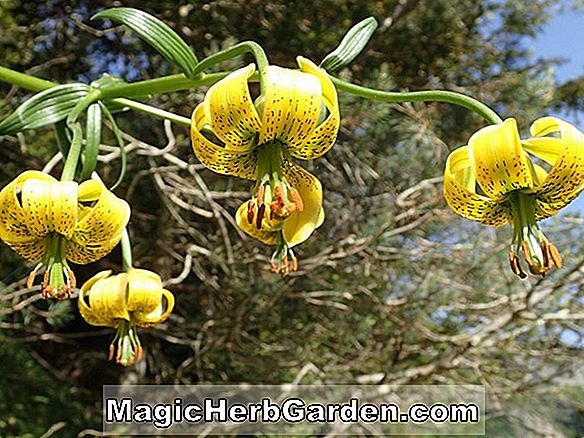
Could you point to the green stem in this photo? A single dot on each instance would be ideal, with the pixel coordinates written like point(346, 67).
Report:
point(179, 82)
point(126, 251)
point(422, 96)
point(73, 155)
point(153, 111)
point(245, 47)
point(120, 93)
point(25, 81)
point(165, 84)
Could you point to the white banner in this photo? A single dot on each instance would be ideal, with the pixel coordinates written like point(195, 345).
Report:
point(326, 410)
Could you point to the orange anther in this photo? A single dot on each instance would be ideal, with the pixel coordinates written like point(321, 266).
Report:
point(527, 253)
point(250, 212)
point(555, 255)
point(139, 353)
point(274, 266)
point(278, 204)
point(515, 266)
point(260, 216)
point(294, 265)
point(72, 279)
point(31, 278)
point(261, 194)
point(545, 252)
point(296, 199)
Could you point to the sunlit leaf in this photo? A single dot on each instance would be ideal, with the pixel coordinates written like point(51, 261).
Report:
point(92, 140)
point(44, 108)
point(351, 45)
point(150, 29)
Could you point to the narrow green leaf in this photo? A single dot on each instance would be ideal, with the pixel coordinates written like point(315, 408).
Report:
point(150, 29)
point(121, 144)
point(63, 140)
point(72, 160)
point(44, 108)
point(352, 44)
point(92, 140)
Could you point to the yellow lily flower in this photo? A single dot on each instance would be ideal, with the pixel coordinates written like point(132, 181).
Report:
point(125, 301)
point(50, 221)
point(296, 117)
point(493, 180)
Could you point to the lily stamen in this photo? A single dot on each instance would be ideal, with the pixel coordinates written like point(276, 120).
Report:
point(527, 254)
point(260, 216)
point(250, 212)
point(494, 180)
point(126, 345)
point(53, 222)
point(283, 260)
point(515, 266)
point(554, 254)
point(261, 193)
point(296, 199)
point(125, 302)
point(546, 258)
point(296, 116)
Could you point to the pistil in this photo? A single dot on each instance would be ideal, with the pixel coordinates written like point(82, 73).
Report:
point(125, 347)
point(58, 279)
point(274, 197)
point(539, 255)
point(283, 260)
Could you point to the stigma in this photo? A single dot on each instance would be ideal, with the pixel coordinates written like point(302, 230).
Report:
point(272, 204)
point(529, 242)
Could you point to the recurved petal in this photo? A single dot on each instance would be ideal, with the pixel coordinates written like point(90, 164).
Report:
point(540, 174)
point(144, 291)
point(64, 207)
point(299, 225)
point(565, 180)
point(217, 158)
point(89, 190)
point(159, 314)
point(460, 194)
point(148, 302)
point(230, 110)
point(321, 218)
point(104, 222)
point(13, 217)
point(99, 276)
point(266, 234)
point(546, 148)
point(325, 134)
point(291, 107)
point(102, 299)
point(499, 162)
point(84, 253)
point(32, 250)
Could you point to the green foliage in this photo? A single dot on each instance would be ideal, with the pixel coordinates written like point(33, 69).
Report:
point(571, 95)
point(351, 45)
point(32, 399)
point(45, 108)
point(155, 33)
point(93, 137)
point(392, 284)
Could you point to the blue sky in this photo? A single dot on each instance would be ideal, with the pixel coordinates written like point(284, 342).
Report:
point(563, 37)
